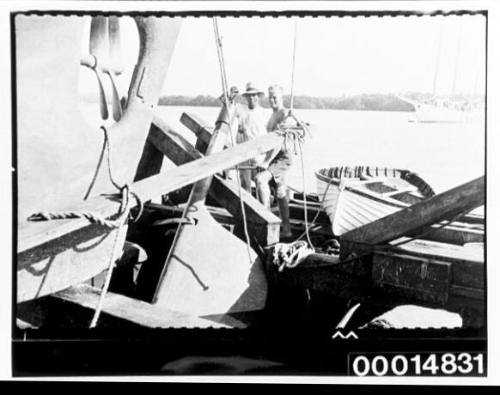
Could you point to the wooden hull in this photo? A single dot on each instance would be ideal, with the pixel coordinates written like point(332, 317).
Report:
point(353, 197)
point(355, 210)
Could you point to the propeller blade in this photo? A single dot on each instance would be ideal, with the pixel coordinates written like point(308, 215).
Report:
point(116, 105)
point(99, 38)
point(103, 105)
point(115, 45)
point(99, 48)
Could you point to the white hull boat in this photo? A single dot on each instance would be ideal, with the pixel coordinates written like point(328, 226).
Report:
point(355, 196)
point(427, 113)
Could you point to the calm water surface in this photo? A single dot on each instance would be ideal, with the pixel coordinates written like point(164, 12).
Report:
point(445, 155)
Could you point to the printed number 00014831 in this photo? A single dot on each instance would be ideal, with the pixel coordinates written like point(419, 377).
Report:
point(421, 364)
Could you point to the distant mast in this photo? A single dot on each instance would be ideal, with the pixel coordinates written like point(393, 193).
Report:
point(457, 56)
point(438, 61)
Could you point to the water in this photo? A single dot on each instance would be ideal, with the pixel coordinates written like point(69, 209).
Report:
point(445, 155)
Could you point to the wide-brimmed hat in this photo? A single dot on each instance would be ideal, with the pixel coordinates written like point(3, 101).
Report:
point(252, 90)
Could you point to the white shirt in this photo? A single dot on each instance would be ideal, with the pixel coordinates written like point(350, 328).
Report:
point(248, 125)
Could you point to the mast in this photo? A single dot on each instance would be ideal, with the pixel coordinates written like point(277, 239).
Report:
point(457, 56)
point(438, 60)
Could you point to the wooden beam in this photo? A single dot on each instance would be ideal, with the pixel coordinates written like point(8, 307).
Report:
point(32, 234)
point(150, 163)
point(265, 225)
point(202, 131)
point(450, 275)
point(444, 206)
point(134, 310)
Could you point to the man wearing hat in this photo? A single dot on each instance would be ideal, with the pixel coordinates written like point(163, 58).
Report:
point(251, 123)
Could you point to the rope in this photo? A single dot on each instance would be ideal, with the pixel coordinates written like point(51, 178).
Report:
point(294, 137)
point(220, 55)
point(226, 103)
point(94, 217)
point(305, 200)
point(293, 64)
point(242, 207)
point(318, 212)
point(290, 255)
point(113, 258)
point(121, 218)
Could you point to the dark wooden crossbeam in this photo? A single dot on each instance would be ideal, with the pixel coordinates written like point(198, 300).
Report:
point(202, 131)
point(417, 217)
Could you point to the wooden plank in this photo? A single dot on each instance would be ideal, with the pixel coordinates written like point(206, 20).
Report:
point(426, 213)
point(424, 279)
point(202, 131)
point(458, 235)
point(32, 234)
point(441, 250)
point(226, 193)
point(457, 285)
point(134, 310)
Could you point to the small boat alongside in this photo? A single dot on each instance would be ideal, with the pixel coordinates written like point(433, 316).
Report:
point(355, 196)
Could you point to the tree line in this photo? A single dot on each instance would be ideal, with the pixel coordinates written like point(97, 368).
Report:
point(367, 102)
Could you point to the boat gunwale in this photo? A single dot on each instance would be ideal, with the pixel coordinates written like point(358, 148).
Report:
point(336, 181)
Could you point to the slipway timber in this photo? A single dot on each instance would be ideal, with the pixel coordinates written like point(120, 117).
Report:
point(164, 240)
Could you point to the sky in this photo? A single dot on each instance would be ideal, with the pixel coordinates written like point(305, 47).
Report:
point(334, 56)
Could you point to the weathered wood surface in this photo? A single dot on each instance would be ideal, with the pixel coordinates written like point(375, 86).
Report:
point(263, 223)
point(32, 234)
point(441, 250)
point(74, 258)
point(208, 270)
point(429, 277)
point(134, 310)
point(426, 213)
point(202, 131)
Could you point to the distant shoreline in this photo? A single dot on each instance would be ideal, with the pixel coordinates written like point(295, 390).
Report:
point(363, 102)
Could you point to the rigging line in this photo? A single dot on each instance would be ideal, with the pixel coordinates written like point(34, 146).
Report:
point(293, 65)
point(226, 103)
point(438, 60)
point(220, 55)
point(301, 124)
point(457, 57)
point(305, 199)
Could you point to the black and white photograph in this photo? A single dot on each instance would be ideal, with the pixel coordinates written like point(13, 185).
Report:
point(255, 191)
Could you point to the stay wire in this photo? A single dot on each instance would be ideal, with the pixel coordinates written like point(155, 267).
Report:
point(222, 67)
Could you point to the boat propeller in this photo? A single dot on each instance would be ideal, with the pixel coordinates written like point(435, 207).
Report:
point(115, 65)
point(105, 57)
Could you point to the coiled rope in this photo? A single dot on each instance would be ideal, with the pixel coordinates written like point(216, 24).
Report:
point(290, 255)
point(121, 219)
